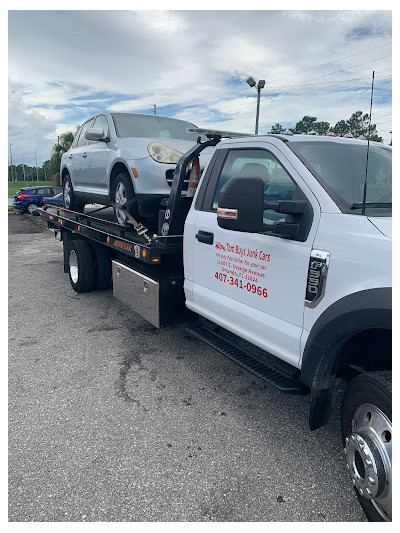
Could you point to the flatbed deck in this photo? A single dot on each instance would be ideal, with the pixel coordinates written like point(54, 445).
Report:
point(124, 239)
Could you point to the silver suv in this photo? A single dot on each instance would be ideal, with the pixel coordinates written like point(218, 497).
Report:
point(125, 158)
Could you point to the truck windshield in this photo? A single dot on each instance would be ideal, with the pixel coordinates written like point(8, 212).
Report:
point(340, 168)
point(152, 127)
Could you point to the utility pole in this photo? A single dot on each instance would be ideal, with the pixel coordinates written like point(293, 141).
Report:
point(23, 167)
point(37, 175)
point(12, 174)
point(155, 109)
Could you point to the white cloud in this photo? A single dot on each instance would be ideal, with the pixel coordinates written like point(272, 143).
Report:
point(69, 65)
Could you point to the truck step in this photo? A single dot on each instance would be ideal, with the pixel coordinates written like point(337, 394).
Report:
point(284, 382)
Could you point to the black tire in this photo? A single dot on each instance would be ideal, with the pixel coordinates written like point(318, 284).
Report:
point(374, 391)
point(80, 266)
point(122, 193)
point(70, 201)
point(31, 207)
point(102, 268)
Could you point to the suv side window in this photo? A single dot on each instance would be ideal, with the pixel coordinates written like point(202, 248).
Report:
point(101, 122)
point(82, 141)
point(278, 185)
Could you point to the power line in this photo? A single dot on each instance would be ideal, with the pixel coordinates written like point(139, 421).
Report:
point(330, 62)
point(330, 74)
point(314, 90)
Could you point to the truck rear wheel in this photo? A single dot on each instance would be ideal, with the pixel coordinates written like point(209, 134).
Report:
point(102, 267)
point(367, 439)
point(123, 193)
point(80, 265)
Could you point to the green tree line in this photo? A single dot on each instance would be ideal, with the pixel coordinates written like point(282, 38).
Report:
point(356, 125)
point(50, 170)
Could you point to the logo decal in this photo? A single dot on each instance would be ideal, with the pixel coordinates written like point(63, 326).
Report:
point(316, 278)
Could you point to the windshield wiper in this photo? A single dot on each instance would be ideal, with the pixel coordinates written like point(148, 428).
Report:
point(359, 205)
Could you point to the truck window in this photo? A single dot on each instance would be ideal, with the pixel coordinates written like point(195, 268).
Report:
point(278, 185)
point(340, 168)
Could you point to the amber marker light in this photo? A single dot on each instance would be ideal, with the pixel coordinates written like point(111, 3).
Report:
point(108, 240)
point(144, 253)
point(135, 172)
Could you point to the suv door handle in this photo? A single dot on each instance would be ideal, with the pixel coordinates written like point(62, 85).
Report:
point(205, 237)
point(84, 154)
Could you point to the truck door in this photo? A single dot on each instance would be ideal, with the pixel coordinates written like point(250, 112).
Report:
point(253, 284)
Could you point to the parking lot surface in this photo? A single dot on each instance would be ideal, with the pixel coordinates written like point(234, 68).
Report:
point(111, 419)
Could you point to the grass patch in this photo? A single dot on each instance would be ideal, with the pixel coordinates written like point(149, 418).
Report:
point(14, 186)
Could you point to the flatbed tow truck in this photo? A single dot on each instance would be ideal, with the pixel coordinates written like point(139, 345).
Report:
point(291, 273)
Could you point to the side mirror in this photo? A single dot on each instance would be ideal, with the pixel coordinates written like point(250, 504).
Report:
point(95, 134)
point(241, 204)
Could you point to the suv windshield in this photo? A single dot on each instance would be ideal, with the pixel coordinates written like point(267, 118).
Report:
point(340, 168)
point(152, 127)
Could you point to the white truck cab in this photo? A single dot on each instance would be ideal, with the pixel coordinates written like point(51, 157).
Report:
point(311, 284)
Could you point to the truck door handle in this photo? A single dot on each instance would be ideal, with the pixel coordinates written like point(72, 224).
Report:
point(84, 154)
point(205, 236)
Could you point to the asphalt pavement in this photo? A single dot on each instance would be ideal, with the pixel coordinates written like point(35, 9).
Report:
point(112, 420)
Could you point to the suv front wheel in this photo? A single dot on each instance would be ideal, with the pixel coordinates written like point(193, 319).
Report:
point(124, 197)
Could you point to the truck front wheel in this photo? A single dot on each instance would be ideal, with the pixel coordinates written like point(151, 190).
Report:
point(80, 266)
point(367, 439)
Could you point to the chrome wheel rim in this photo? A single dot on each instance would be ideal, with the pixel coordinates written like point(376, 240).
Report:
point(73, 266)
point(368, 451)
point(31, 208)
point(67, 194)
point(120, 200)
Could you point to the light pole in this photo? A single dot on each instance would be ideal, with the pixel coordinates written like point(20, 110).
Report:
point(260, 85)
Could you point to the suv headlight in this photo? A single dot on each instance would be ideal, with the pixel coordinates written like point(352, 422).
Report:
point(163, 154)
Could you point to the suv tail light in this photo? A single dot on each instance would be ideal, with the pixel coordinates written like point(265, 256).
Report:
point(22, 196)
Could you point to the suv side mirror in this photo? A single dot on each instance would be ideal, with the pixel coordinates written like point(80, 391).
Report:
point(96, 134)
point(241, 204)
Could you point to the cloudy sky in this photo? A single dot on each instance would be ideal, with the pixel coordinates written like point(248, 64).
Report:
point(65, 66)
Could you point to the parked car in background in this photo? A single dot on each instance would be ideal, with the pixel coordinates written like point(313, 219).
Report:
point(125, 158)
point(53, 200)
point(28, 199)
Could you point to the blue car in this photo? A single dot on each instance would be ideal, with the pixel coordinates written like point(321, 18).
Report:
point(57, 200)
point(28, 199)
